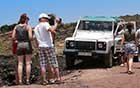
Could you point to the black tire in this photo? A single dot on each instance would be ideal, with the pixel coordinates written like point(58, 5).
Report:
point(69, 61)
point(108, 61)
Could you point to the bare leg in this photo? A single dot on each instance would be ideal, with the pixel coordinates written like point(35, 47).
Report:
point(57, 73)
point(139, 57)
point(127, 62)
point(51, 73)
point(20, 68)
point(43, 73)
point(28, 67)
point(130, 62)
point(122, 60)
point(54, 74)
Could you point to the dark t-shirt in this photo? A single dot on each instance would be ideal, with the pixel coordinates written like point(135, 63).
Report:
point(129, 37)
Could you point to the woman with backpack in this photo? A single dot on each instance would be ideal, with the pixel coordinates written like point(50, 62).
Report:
point(22, 34)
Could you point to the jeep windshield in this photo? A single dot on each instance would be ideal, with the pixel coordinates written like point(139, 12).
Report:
point(95, 25)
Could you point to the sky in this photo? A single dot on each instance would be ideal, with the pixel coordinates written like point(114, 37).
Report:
point(68, 10)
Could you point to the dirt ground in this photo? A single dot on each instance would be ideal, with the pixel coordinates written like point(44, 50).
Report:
point(95, 78)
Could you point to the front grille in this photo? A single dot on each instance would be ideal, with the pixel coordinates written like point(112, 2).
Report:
point(82, 45)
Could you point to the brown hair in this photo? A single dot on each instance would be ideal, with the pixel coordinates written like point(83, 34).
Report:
point(130, 26)
point(23, 18)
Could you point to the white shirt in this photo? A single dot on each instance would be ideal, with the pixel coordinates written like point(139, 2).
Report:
point(137, 32)
point(42, 34)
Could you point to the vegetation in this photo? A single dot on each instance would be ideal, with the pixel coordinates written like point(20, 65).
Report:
point(6, 28)
point(135, 18)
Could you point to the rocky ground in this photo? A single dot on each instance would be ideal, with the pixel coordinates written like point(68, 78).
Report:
point(94, 77)
point(87, 74)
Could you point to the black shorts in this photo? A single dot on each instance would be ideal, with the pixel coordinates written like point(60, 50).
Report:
point(24, 48)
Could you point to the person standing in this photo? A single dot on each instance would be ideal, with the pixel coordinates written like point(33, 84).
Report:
point(47, 57)
point(129, 46)
point(120, 32)
point(138, 42)
point(22, 35)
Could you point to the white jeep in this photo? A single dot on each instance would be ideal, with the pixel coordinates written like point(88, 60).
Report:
point(94, 36)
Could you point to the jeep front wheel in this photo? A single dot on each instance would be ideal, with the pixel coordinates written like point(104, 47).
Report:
point(108, 60)
point(69, 61)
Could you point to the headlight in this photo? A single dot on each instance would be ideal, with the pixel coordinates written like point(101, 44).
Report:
point(101, 45)
point(70, 44)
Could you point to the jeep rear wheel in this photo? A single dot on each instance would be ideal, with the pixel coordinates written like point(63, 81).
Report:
point(108, 61)
point(69, 61)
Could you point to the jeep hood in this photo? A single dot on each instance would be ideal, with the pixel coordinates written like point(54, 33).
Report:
point(93, 35)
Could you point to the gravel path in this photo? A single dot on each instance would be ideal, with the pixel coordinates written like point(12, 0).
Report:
point(96, 78)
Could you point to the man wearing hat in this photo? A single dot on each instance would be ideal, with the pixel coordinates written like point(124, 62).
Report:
point(47, 56)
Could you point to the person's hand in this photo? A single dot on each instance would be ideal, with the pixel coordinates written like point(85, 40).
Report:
point(58, 21)
point(53, 34)
point(15, 41)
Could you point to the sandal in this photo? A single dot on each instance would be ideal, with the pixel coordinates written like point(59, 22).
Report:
point(58, 81)
point(20, 82)
point(27, 82)
point(51, 81)
point(44, 82)
point(130, 72)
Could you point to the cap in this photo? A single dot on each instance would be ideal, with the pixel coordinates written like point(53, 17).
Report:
point(43, 15)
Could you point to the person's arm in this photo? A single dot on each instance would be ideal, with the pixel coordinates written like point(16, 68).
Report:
point(52, 29)
point(136, 38)
point(37, 37)
point(30, 33)
point(14, 34)
point(35, 43)
point(123, 40)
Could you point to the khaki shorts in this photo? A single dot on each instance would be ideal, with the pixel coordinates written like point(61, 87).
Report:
point(24, 48)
